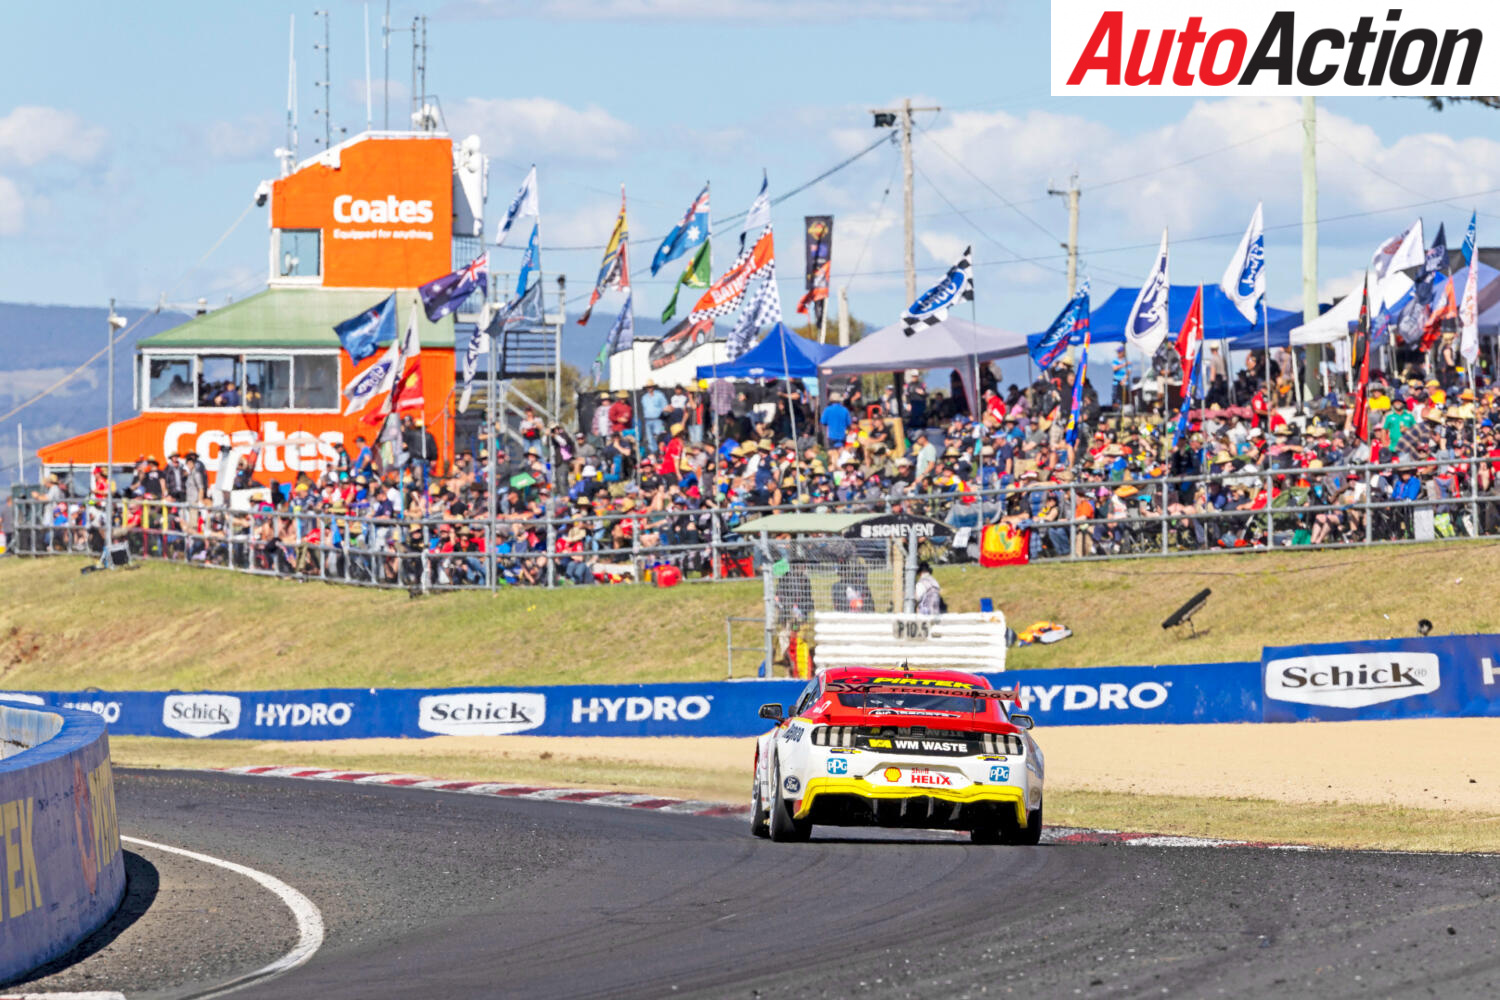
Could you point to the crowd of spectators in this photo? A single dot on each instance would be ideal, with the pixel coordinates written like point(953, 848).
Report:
point(650, 479)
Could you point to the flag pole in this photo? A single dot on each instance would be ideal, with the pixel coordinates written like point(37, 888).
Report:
point(489, 475)
point(791, 410)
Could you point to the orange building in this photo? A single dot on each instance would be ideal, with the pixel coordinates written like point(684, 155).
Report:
point(372, 216)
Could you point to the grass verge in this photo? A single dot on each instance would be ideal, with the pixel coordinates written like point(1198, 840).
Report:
point(168, 626)
point(722, 774)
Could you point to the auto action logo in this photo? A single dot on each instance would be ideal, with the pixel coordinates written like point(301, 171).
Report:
point(1332, 47)
point(1352, 680)
point(200, 714)
point(494, 713)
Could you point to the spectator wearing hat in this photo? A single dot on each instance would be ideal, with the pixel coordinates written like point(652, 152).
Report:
point(835, 420)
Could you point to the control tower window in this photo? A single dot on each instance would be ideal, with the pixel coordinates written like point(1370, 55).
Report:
point(298, 253)
point(315, 379)
point(219, 381)
point(268, 383)
point(171, 382)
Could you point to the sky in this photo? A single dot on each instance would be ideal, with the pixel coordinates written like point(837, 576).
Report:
point(124, 166)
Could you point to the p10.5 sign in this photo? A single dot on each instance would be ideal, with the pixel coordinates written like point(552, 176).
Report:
point(1170, 48)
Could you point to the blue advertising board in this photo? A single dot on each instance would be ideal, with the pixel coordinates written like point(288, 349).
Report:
point(1449, 675)
point(1407, 678)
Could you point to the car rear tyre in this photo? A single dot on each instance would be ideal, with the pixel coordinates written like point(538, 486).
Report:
point(1032, 835)
point(759, 825)
point(784, 829)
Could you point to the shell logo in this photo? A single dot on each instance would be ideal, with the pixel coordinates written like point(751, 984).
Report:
point(893, 774)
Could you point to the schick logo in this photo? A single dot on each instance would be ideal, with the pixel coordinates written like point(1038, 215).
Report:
point(200, 714)
point(1352, 680)
point(481, 714)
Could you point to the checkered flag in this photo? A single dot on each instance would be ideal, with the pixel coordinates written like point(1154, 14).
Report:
point(931, 307)
point(726, 294)
point(763, 310)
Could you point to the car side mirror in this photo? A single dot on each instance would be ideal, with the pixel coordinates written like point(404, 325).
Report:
point(1022, 721)
point(771, 711)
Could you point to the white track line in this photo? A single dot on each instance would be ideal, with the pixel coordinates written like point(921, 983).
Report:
point(309, 919)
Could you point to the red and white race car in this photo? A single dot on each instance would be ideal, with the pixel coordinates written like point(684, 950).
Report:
point(932, 749)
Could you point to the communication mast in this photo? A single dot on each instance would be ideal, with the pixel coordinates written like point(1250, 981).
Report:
point(288, 153)
point(327, 82)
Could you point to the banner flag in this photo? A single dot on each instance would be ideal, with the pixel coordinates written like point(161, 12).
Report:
point(360, 334)
point(1080, 374)
point(442, 296)
point(1244, 279)
point(931, 307)
point(1359, 417)
point(724, 295)
point(1069, 324)
point(1470, 237)
point(373, 381)
point(696, 275)
point(759, 215)
point(530, 261)
point(678, 342)
point(614, 269)
point(1468, 318)
point(691, 231)
point(819, 235)
point(524, 203)
point(1146, 326)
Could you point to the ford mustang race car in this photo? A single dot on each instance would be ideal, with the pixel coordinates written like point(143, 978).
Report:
point(933, 749)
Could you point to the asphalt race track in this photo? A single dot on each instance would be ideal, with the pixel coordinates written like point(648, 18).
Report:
point(432, 894)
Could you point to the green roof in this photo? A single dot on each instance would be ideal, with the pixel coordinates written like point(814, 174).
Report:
point(293, 317)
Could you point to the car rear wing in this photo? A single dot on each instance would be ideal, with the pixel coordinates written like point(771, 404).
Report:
point(874, 687)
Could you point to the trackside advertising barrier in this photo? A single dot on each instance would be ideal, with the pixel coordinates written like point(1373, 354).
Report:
point(59, 842)
point(1396, 678)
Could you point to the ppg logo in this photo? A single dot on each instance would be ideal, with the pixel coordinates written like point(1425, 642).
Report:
point(999, 772)
point(838, 765)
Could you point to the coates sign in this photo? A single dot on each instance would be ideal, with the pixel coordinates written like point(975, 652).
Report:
point(1352, 680)
point(384, 206)
point(1170, 48)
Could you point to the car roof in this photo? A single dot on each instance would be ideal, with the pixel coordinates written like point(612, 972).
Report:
point(960, 676)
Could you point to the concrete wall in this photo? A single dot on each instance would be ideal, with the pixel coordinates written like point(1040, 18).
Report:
point(63, 875)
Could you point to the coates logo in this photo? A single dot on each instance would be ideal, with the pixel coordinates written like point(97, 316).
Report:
point(1331, 47)
point(491, 714)
point(200, 714)
point(1352, 680)
point(347, 208)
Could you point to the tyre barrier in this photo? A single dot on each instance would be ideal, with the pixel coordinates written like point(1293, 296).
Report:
point(60, 856)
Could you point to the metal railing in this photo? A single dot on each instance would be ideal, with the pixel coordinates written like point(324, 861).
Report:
point(1265, 509)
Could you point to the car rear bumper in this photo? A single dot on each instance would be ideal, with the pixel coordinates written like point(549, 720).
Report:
point(972, 795)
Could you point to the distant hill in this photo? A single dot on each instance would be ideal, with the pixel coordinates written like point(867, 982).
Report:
point(41, 344)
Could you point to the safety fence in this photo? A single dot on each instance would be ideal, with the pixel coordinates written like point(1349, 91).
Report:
point(1414, 677)
point(1333, 507)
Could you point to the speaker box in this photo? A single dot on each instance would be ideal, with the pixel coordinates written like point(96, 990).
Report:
point(118, 555)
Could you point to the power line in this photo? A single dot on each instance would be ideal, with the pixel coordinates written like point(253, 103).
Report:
point(984, 184)
point(974, 225)
point(720, 223)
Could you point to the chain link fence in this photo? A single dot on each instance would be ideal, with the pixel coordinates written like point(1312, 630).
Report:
point(1073, 521)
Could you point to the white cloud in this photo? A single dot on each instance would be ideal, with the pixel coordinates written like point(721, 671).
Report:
point(721, 10)
point(31, 135)
point(12, 208)
point(538, 128)
point(251, 137)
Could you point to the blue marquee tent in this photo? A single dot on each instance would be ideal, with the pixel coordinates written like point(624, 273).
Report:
point(765, 359)
point(1221, 319)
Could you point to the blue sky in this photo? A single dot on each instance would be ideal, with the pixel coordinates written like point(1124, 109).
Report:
point(121, 165)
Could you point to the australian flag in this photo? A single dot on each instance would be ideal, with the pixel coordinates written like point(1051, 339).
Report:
point(1069, 327)
point(691, 231)
point(443, 295)
point(359, 334)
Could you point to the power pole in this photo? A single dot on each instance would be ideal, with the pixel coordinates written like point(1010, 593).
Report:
point(901, 118)
point(1071, 246)
point(1314, 352)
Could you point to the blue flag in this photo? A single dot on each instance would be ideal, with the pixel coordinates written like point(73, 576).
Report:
point(1069, 327)
point(1080, 374)
point(529, 262)
point(1469, 239)
point(691, 231)
point(359, 334)
point(442, 296)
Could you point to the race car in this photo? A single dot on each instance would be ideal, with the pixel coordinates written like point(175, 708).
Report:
point(931, 749)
